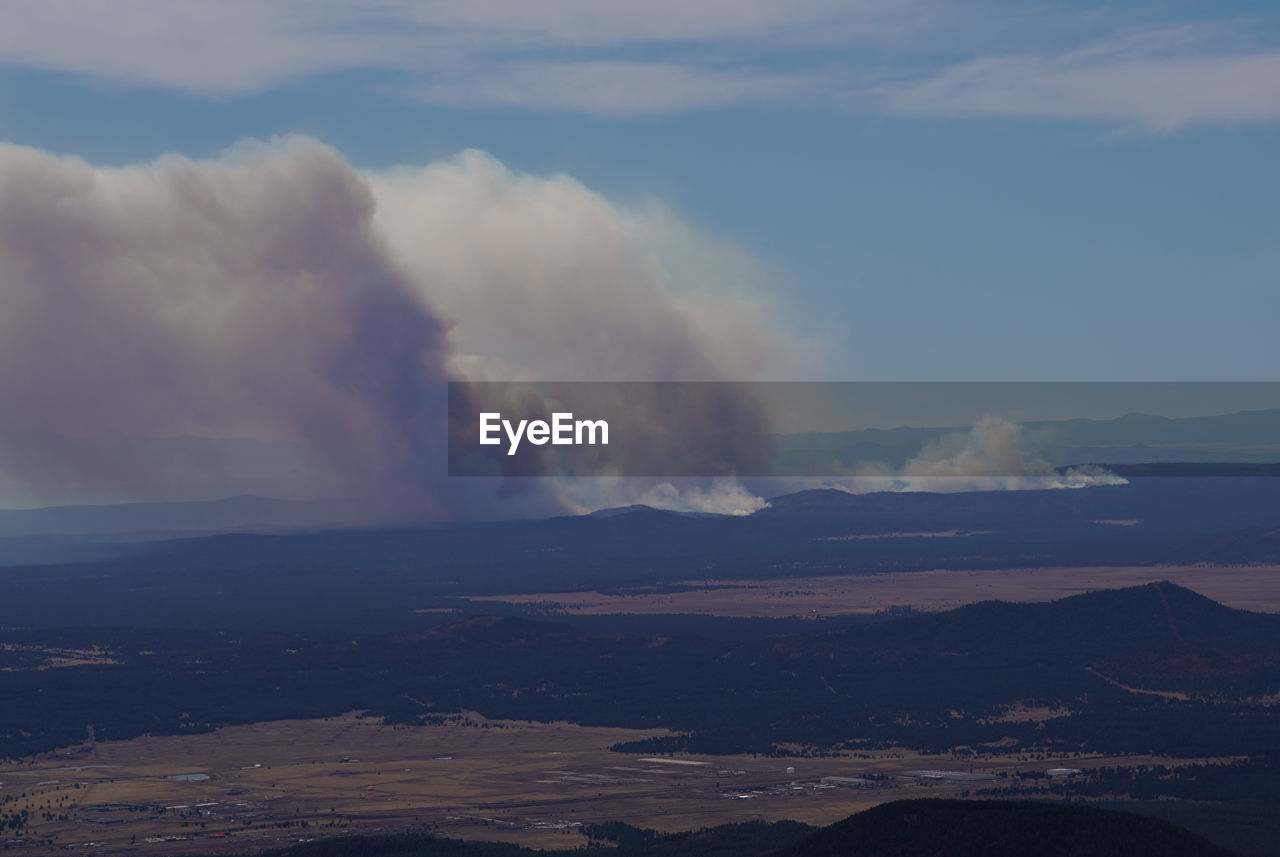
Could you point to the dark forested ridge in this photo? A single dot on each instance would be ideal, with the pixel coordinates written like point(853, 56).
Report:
point(955, 828)
point(910, 828)
point(934, 682)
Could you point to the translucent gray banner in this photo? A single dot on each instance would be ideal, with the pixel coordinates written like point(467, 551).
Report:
point(862, 428)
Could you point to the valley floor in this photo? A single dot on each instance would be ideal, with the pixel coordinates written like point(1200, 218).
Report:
point(1255, 588)
point(247, 788)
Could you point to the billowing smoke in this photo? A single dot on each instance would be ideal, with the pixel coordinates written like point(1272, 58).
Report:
point(247, 299)
point(276, 321)
point(993, 447)
point(994, 455)
point(543, 279)
point(717, 496)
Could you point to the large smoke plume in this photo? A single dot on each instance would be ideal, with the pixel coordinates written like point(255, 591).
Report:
point(277, 321)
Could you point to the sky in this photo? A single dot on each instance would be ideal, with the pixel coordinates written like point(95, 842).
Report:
point(858, 190)
point(933, 187)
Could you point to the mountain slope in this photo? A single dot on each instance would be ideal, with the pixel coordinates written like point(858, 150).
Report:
point(955, 828)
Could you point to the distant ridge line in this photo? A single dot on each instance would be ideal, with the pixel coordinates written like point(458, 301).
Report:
point(1184, 468)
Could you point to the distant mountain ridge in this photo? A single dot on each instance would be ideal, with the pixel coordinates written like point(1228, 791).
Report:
point(1243, 443)
point(1242, 437)
point(245, 513)
point(1175, 521)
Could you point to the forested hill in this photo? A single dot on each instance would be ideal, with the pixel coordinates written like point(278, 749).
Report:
point(909, 828)
point(1155, 668)
point(957, 828)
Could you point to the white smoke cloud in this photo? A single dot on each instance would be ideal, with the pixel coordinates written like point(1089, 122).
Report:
point(714, 496)
point(994, 455)
point(993, 447)
point(544, 279)
point(721, 497)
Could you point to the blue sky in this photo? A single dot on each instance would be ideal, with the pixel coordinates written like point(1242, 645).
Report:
point(948, 191)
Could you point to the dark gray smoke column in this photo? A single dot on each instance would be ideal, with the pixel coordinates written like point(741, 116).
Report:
point(245, 302)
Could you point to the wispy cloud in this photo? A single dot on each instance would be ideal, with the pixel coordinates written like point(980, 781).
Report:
point(1161, 79)
point(236, 46)
point(616, 57)
point(608, 88)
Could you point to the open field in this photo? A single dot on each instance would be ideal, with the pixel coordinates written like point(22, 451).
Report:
point(269, 784)
point(1254, 588)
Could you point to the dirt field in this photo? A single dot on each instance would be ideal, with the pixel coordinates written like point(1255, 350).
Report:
point(272, 784)
point(1247, 588)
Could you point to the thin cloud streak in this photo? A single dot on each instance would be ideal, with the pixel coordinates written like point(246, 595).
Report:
point(614, 88)
point(1162, 95)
